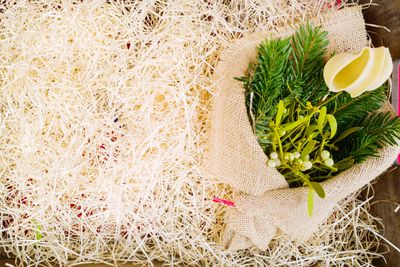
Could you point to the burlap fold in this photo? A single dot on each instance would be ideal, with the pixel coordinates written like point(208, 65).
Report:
point(264, 202)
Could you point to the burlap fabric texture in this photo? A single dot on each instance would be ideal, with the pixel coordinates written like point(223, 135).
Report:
point(264, 202)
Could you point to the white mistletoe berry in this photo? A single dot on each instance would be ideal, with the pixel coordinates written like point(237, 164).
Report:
point(307, 165)
point(272, 163)
point(325, 154)
point(273, 155)
point(329, 162)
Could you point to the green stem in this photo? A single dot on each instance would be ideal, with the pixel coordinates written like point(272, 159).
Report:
point(279, 143)
point(322, 145)
point(301, 175)
point(325, 166)
point(290, 181)
point(332, 146)
point(322, 178)
point(301, 104)
point(329, 99)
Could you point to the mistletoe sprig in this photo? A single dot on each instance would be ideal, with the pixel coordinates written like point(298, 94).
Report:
point(309, 133)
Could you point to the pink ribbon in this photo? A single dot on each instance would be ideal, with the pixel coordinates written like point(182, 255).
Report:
point(224, 201)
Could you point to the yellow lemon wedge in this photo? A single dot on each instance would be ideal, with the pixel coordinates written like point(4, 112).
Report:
point(356, 74)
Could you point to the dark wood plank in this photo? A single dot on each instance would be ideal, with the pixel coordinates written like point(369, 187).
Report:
point(386, 13)
point(387, 188)
point(387, 194)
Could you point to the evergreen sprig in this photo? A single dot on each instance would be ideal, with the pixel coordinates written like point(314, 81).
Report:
point(348, 109)
point(375, 132)
point(305, 77)
point(265, 80)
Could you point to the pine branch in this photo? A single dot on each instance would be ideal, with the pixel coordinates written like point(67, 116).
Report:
point(384, 126)
point(268, 82)
point(377, 131)
point(355, 109)
point(287, 67)
point(306, 77)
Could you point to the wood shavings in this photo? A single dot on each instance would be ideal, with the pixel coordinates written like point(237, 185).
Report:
point(103, 129)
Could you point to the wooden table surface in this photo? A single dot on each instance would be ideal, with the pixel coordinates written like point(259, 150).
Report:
point(387, 188)
point(387, 191)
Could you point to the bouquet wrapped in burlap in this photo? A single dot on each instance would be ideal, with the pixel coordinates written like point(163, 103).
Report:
point(264, 202)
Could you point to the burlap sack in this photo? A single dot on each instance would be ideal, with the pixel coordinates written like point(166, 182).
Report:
point(264, 203)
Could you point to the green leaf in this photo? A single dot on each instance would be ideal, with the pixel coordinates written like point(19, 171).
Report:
point(343, 165)
point(310, 201)
point(291, 125)
point(347, 133)
point(310, 129)
point(297, 136)
point(321, 119)
point(308, 149)
point(333, 124)
point(279, 114)
point(318, 189)
point(264, 141)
